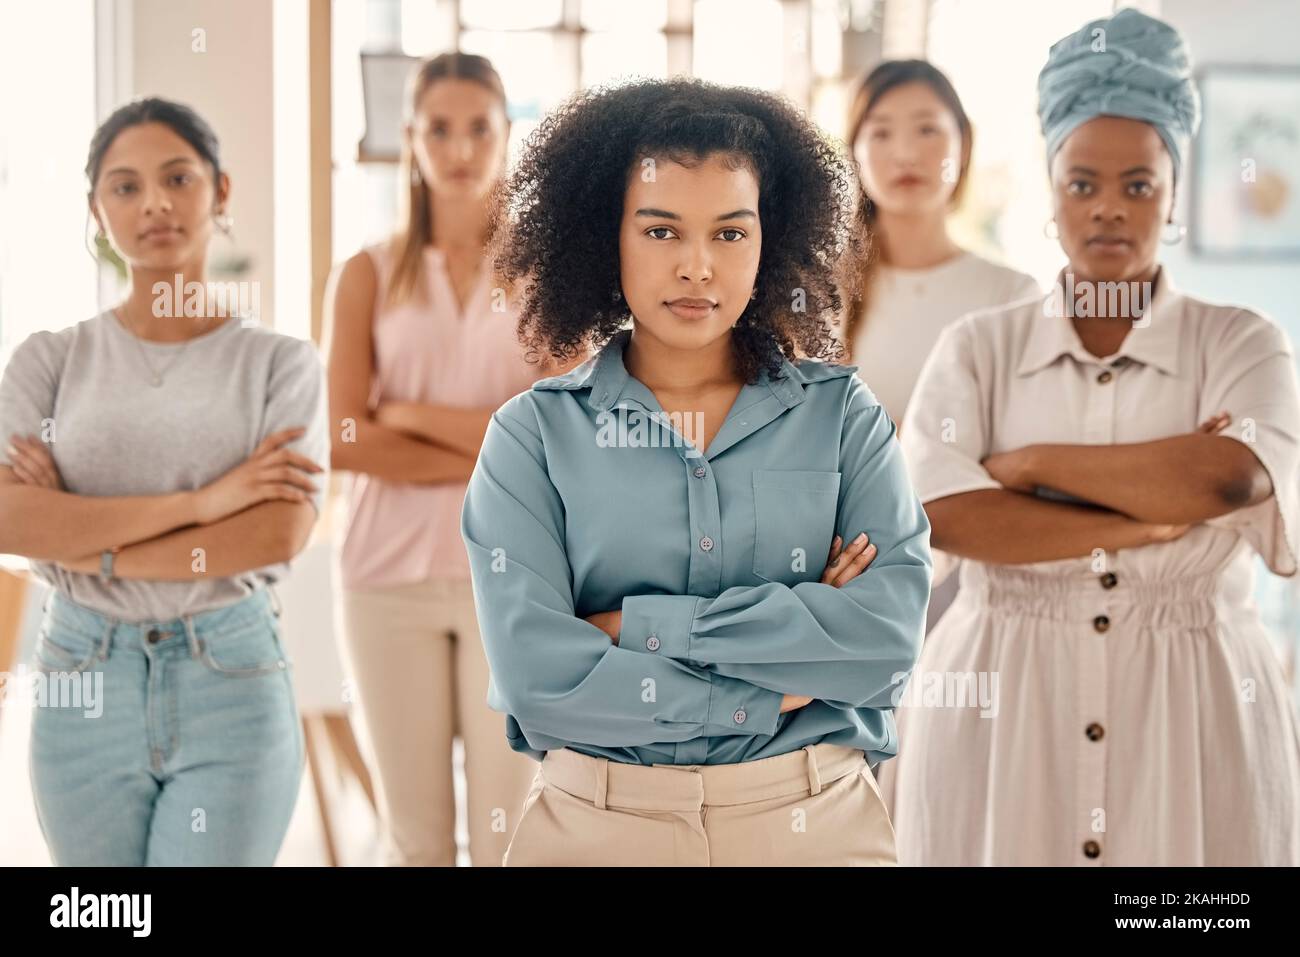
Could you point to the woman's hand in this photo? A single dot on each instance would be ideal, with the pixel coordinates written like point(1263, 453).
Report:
point(1159, 534)
point(87, 565)
point(270, 473)
point(610, 622)
point(1012, 469)
point(1215, 424)
point(841, 568)
point(844, 566)
point(32, 463)
point(395, 415)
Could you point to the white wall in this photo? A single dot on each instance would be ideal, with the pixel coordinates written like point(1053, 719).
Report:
point(1248, 32)
point(230, 85)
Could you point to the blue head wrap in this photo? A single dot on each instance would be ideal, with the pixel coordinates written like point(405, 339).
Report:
point(1129, 65)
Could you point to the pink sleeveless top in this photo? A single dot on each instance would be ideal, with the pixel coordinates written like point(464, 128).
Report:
point(427, 351)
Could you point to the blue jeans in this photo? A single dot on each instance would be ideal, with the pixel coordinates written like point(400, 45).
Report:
point(185, 748)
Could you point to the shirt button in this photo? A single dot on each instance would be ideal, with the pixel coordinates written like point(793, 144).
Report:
point(706, 543)
point(701, 471)
point(1091, 849)
point(740, 716)
point(1105, 376)
point(1095, 732)
point(1109, 580)
point(1101, 623)
point(652, 643)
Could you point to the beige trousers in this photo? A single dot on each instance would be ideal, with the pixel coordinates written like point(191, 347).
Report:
point(419, 666)
point(819, 806)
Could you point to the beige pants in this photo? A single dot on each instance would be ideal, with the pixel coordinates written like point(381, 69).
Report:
point(818, 806)
point(419, 666)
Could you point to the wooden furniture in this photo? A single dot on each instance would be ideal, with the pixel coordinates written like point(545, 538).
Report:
point(13, 606)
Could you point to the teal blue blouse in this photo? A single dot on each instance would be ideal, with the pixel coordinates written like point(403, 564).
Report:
point(588, 498)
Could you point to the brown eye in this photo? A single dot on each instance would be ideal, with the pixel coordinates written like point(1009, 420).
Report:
point(657, 229)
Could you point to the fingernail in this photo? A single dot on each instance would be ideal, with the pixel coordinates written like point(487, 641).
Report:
point(862, 537)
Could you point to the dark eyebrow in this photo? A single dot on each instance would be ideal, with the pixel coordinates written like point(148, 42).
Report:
point(170, 162)
point(921, 113)
point(657, 213)
point(439, 118)
point(1128, 172)
point(664, 214)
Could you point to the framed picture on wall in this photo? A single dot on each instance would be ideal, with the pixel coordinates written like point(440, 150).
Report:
point(1246, 176)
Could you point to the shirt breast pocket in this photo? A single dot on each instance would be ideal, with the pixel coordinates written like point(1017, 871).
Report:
point(794, 523)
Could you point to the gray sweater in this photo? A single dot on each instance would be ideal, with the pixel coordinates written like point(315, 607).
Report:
point(114, 434)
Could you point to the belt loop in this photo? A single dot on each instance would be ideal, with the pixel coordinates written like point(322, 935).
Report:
point(275, 599)
point(814, 775)
point(602, 781)
point(109, 627)
point(191, 636)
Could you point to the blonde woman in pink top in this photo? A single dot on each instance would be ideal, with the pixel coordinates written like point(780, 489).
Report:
point(421, 353)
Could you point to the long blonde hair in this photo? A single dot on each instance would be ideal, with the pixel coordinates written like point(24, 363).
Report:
point(415, 225)
point(885, 77)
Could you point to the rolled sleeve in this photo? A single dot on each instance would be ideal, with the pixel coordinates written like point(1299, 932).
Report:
point(295, 398)
point(558, 676)
point(945, 434)
point(1251, 375)
point(28, 389)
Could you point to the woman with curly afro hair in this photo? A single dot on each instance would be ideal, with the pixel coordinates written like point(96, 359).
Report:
point(644, 531)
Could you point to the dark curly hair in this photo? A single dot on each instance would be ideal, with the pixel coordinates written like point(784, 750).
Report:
point(558, 215)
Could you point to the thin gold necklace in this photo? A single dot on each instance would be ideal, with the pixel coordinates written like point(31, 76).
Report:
point(156, 378)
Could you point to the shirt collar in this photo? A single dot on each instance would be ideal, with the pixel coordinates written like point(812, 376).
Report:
point(1152, 341)
point(608, 379)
